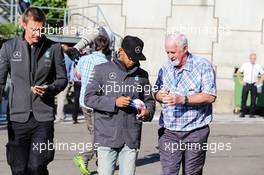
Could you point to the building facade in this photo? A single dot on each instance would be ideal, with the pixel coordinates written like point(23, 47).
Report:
point(223, 31)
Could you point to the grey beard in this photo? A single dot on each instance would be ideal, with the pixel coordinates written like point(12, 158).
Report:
point(175, 63)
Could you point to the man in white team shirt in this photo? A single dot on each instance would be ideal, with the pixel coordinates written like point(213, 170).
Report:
point(250, 81)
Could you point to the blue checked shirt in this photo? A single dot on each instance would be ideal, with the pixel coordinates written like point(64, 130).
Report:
point(85, 67)
point(196, 77)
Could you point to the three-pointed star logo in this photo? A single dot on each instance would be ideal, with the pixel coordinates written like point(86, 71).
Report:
point(112, 75)
point(138, 49)
point(17, 54)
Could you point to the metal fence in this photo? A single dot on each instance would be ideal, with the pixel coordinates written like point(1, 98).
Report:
point(88, 16)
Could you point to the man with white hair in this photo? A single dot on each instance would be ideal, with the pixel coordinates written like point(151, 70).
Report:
point(186, 90)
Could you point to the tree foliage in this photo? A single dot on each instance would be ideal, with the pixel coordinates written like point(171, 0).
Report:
point(54, 17)
point(8, 30)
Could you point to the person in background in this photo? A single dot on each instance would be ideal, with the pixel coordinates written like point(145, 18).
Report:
point(84, 73)
point(251, 70)
point(76, 91)
point(62, 95)
point(76, 85)
point(23, 5)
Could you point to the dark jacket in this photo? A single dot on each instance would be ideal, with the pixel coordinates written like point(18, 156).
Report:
point(115, 126)
point(49, 69)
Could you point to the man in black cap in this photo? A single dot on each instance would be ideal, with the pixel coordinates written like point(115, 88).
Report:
point(121, 98)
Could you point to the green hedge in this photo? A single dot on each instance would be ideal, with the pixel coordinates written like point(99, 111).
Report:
point(8, 31)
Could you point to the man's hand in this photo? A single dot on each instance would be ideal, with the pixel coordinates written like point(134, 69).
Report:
point(242, 83)
point(173, 99)
point(123, 101)
point(144, 115)
point(259, 82)
point(161, 94)
point(39, 91)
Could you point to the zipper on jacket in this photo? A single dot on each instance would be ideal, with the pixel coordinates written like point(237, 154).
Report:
point(30, 77)
point(31, 93)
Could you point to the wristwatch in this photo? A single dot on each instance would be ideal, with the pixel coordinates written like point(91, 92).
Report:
point(186, 100)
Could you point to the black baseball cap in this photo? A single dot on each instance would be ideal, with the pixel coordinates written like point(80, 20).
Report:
point(133, 47)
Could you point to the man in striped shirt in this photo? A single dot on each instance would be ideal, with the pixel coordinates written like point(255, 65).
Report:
point(186, 89)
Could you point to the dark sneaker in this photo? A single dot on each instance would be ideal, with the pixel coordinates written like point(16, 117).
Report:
point(79, 162)
point(75, 122)
point(251, 116)
point(242, 115)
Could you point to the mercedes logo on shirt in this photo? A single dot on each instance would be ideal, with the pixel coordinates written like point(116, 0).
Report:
point(112, 75)
point(17, 54)
point(17, 57)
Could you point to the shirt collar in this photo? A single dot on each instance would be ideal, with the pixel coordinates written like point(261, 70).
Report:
point(99, 54)
point(189, 64)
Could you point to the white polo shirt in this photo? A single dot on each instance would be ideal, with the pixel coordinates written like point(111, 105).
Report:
point(251, 72)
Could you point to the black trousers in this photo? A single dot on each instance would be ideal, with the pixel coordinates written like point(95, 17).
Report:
point(30, 147)
point(77, 90)
point(253, 93)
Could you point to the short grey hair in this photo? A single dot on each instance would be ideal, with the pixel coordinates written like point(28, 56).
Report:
point(179, 38)
point(253, 53)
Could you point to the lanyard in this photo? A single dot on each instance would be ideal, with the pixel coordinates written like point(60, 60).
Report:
point(177, 79)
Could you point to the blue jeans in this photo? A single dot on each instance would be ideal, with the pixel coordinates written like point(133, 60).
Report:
point(107, 158)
